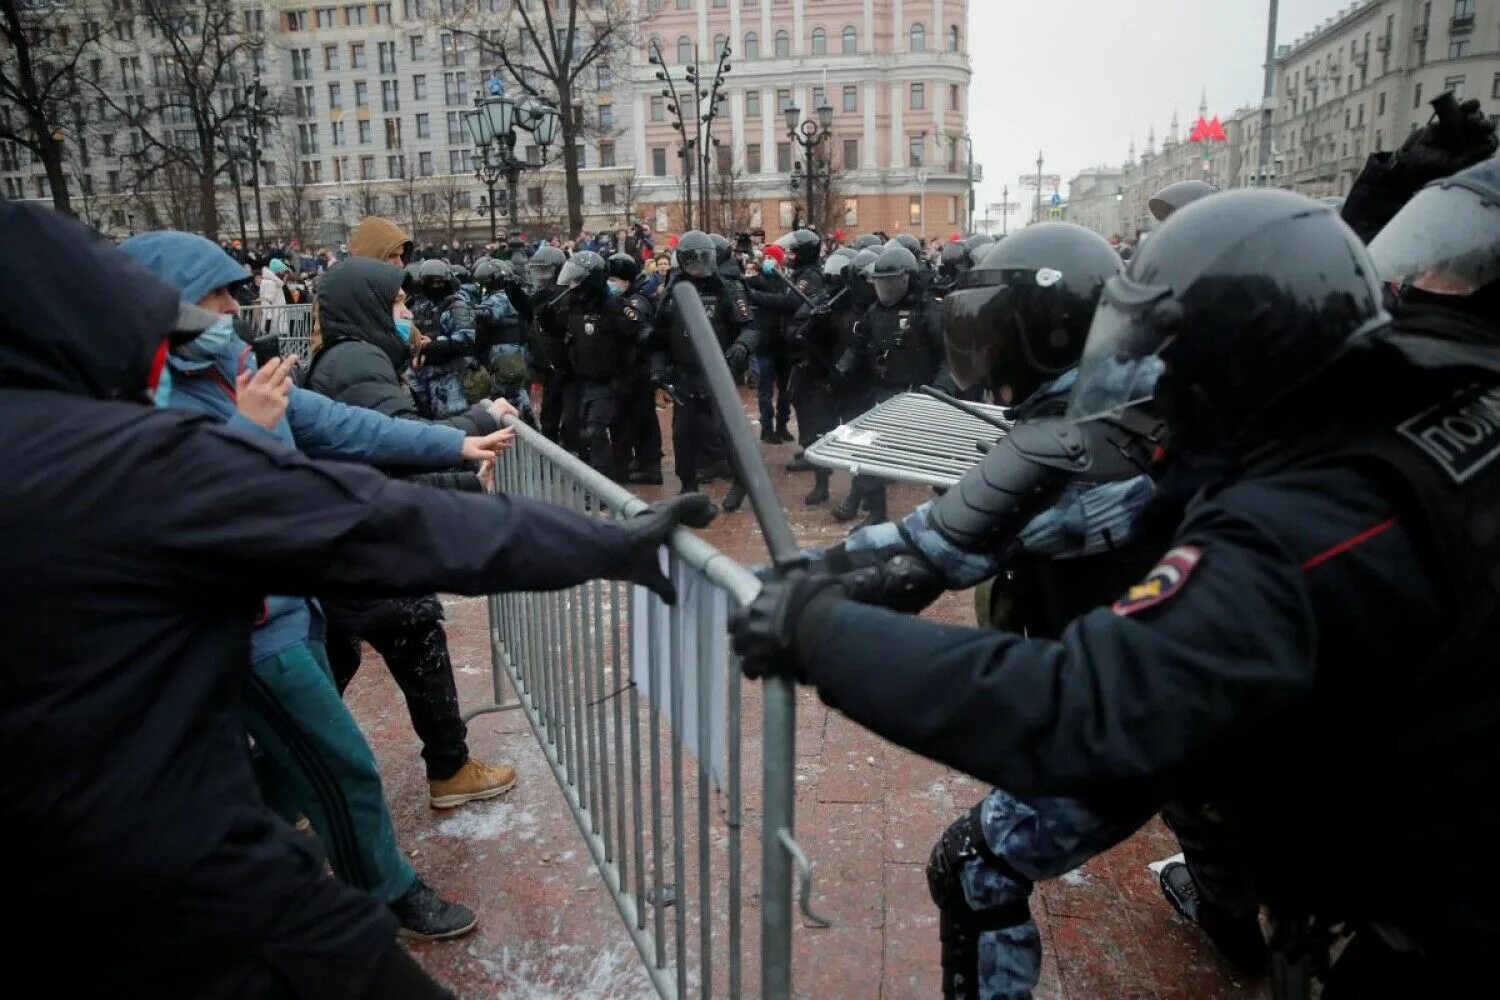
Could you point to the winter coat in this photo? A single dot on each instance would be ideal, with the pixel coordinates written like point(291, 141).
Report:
point(379, 238)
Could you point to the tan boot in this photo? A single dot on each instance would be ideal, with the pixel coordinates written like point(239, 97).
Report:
point(473, 781)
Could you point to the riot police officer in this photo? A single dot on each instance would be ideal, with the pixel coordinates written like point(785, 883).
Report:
point(1174, 196)
point(539, 303)
point(674, 363)
point(500, 338)
point(601, 339)
point(899, 344)
point(954, 261)
point(446, 318)
point(638, 425)
point(820, 334)
point(1313, 650)
point(777, 300)
point(465, 279)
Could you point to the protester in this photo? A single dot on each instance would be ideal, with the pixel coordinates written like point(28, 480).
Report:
point(381, 239)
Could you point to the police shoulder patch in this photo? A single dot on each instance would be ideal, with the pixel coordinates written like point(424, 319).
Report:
point(743, 306)
point(1461, 434)
point(631, 313)
point(1164, 581)
point(802, 285)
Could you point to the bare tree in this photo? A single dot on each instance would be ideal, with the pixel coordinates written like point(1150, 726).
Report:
point(542, 211)
point(198, 95)
point(168, 198)
point(452, 191)
point(827, 213)
point(411, 191)
point(289, 199)
point(555, 52)
point(731, 201)
point(42, 43)
point(627, 193)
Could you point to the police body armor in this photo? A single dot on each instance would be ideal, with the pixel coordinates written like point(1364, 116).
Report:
point(597, 344)
point(690, 376)
point(425, 315)
point(551, 330)
point(900, 352)
point(500, 339)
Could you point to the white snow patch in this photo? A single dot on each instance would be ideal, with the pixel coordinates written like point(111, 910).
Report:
point(1075, 877)
point(488, 821)
point(545, 970)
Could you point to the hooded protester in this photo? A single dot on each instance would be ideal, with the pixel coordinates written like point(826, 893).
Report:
point(358, 364)
point(314, 760)
point(381, 239)
point(141, 542)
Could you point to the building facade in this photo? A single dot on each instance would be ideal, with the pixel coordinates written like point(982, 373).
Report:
point(1358, 84)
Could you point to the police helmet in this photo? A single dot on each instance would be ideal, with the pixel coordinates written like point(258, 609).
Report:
point(978, 240)
point(908, 241)
point(437, 277)
point(696, 254)
point(806, 247)
point(891, 274)
point(543, 266)
point(461, 274)
point(834, 268)
point(585, 271)
point(868, 241)
point(954, 260)
point(489, 273)
point(722, 248)
point(1174, 196)
point(845, 251)
point(1022, 315)
point(622, 265)
point(1446, 240)
point(1245, 297)
point(413, 278)
point(862, 262)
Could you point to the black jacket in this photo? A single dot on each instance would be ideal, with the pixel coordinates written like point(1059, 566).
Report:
point(140, 542)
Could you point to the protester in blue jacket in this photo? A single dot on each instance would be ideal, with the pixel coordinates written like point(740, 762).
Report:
point(313, 760)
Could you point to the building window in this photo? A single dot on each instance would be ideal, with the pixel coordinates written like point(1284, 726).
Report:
point(952, 97)
point(659, 162)
point(918, 100)
point(1416, 96)
point(914, 211)
point(354, 15)
point(1458, 48)
point(1455, 84)
point(296, 20)
point(722, 160)
point(1380, 99)
point(604, 77)
point(607, 115)
point(953, 38)
point(819, 42)
point(685, 50)
point(361, 94)
point(336, 133)
point(684, 4)
point(752, 158)
point(606, 194)
point(364, 133)
point(1463, 8)
point(752, 102)
point(783, 99)
point(335, 96)
point(606, 154)
point(390, 100)
point(418, 48)
point(918, 38)
point(330, 57)
point(783, 157)
point(1495, 86)
point(752, 45)
point(387, 52)
point(851, 40)
point(395, 166)
point(783, 44)
point(1379, 141)
point(323, 17)
point(367, 168)
point(914, 150)
point(424, 126)
point(785, 213)
point(851, 154)
point(356, 55)
point(419, 87)
point(819, 97)
point(424, 164)
point(455, 128)
point(851, 98)
point(658, 108)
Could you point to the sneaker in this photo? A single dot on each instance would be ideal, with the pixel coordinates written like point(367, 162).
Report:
point(426, 916)
point(734, 498)
point(473, 781)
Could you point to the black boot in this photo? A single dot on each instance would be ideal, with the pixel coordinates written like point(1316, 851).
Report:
point(768, 433)
point(819, 492)
point(648, 477)
point(735, 497)
point(1237, 936)
point(425, 915)
point(875, 504)
point(782, 435)
point(848, 508)
point(799, 463)
point(715, 470)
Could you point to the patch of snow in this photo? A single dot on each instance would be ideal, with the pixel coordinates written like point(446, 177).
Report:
point(1075, 877)
point(543, 970)
point(488, 821)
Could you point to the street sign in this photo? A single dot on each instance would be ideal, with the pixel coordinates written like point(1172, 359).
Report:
point(1029, 181)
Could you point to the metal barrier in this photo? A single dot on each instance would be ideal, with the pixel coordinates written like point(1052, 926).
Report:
point(600, 671)
point(292, 323)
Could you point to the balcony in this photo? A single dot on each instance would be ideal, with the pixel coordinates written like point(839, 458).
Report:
point(1419, 33)
point(1461, 24)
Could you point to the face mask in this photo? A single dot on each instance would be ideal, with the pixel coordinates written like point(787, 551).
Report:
point(207, 345)
point(403, 330)
point(616, 288)
point(163, 394)
point(768, 267)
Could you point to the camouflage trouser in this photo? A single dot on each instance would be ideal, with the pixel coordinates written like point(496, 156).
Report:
point(1024, 841)
point(439, 389)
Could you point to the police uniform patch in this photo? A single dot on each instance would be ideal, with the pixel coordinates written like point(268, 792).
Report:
point(1164, 581)
point(588, 328)
point(1461, 434)
point(743, 308)
point(631, 314)
point(802, 285)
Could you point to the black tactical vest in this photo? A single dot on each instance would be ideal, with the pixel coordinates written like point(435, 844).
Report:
point(598, 350)
point(900, 353)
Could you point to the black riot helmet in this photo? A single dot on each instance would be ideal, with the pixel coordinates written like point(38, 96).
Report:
point(978, 240)
point(722, 248)
point(954, 260)
point(585, 271)
point(1022, 315)
point(834, 269)
point(437, 278)
point(542, 268)
point(696, 254)
point(1174, 196)
point(412, 282)
point(1244, 298)
point(804, 249)
point(908, 241)
point(461, 274)
point(857, 278)
point(891, 274)
point(490, 273)
point(868, 241)
point(1446, 241)
point(622, 265)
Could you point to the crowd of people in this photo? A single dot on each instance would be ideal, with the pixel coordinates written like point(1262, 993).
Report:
point(1242, 540)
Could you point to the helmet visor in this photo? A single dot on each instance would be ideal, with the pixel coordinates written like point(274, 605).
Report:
point(971, 333)
point(1120, 363)
point(1446, 241)
point(891, 288)
point(572, 273)
point(541, 274)
point(697, 263)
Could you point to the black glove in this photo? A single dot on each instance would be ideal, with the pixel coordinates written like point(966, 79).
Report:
point(648, 530)
point(738, 358)
point(1461, 137)
point(766, 631)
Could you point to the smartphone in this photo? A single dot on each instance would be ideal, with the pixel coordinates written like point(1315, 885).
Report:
point(267, 349)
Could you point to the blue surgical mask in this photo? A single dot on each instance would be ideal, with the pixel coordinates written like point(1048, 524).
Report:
point(615, 289)
point(163, 394)
point(403, 330)
point(210, 343)
point(768, 266)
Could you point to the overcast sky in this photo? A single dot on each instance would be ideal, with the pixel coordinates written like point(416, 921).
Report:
point(1079, 79)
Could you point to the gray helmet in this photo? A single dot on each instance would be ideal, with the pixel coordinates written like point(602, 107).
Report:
point(586, 271)
point(979, 240)
point(845, 251)
point(543, 266)
point(722, 247)
point(696, 254)
point(891, 274)
point(490, 272)
point(1172, 197)
point(836, 265)
point(908, 241)
point(805, 246)
point(868, 241)
point(1446, 240)
point(437, 277)
point(863, 261)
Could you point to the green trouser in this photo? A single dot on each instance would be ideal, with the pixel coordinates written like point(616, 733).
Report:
point(314, 761)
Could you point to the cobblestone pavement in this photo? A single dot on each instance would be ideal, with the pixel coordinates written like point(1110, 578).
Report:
point(867, 813)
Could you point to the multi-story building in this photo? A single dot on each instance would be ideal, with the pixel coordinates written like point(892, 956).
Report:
point(895, 72)
point(1359, 84)
point(371, 98)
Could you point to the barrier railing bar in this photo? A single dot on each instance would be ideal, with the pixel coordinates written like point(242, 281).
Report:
point(619, 703)
point(735, 820)
point(573, 680)
point(601, 721)
point(705, 918)
point(635, 773)
point(679, 862)
point(653, 645)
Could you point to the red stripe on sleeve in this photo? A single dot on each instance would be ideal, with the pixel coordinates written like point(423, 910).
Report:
point(1351, 542)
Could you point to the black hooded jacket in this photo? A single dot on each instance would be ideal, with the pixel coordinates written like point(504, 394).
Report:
point(361, 360)
point(139, 544)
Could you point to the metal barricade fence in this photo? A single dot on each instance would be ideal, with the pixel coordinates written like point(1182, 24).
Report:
point(626, 697)
point(292, 323)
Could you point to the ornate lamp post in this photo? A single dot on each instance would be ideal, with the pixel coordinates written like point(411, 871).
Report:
point(492, 124)
point(810, 135)
point(696, 128)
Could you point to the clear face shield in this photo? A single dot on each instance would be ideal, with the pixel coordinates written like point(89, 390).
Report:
point(541, 275)
point(697, 263)
point(1120, 363)
point(1445, 241)
point(891, 288)
point(572, 273)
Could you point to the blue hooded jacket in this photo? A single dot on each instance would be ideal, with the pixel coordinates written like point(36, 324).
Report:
point(314, 424)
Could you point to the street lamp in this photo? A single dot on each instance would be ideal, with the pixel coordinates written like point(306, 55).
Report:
point(698, 142)
point(810, 135)
point(492, 124)
point(255, 117)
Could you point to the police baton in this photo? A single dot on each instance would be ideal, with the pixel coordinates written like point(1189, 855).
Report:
point(779, 706)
